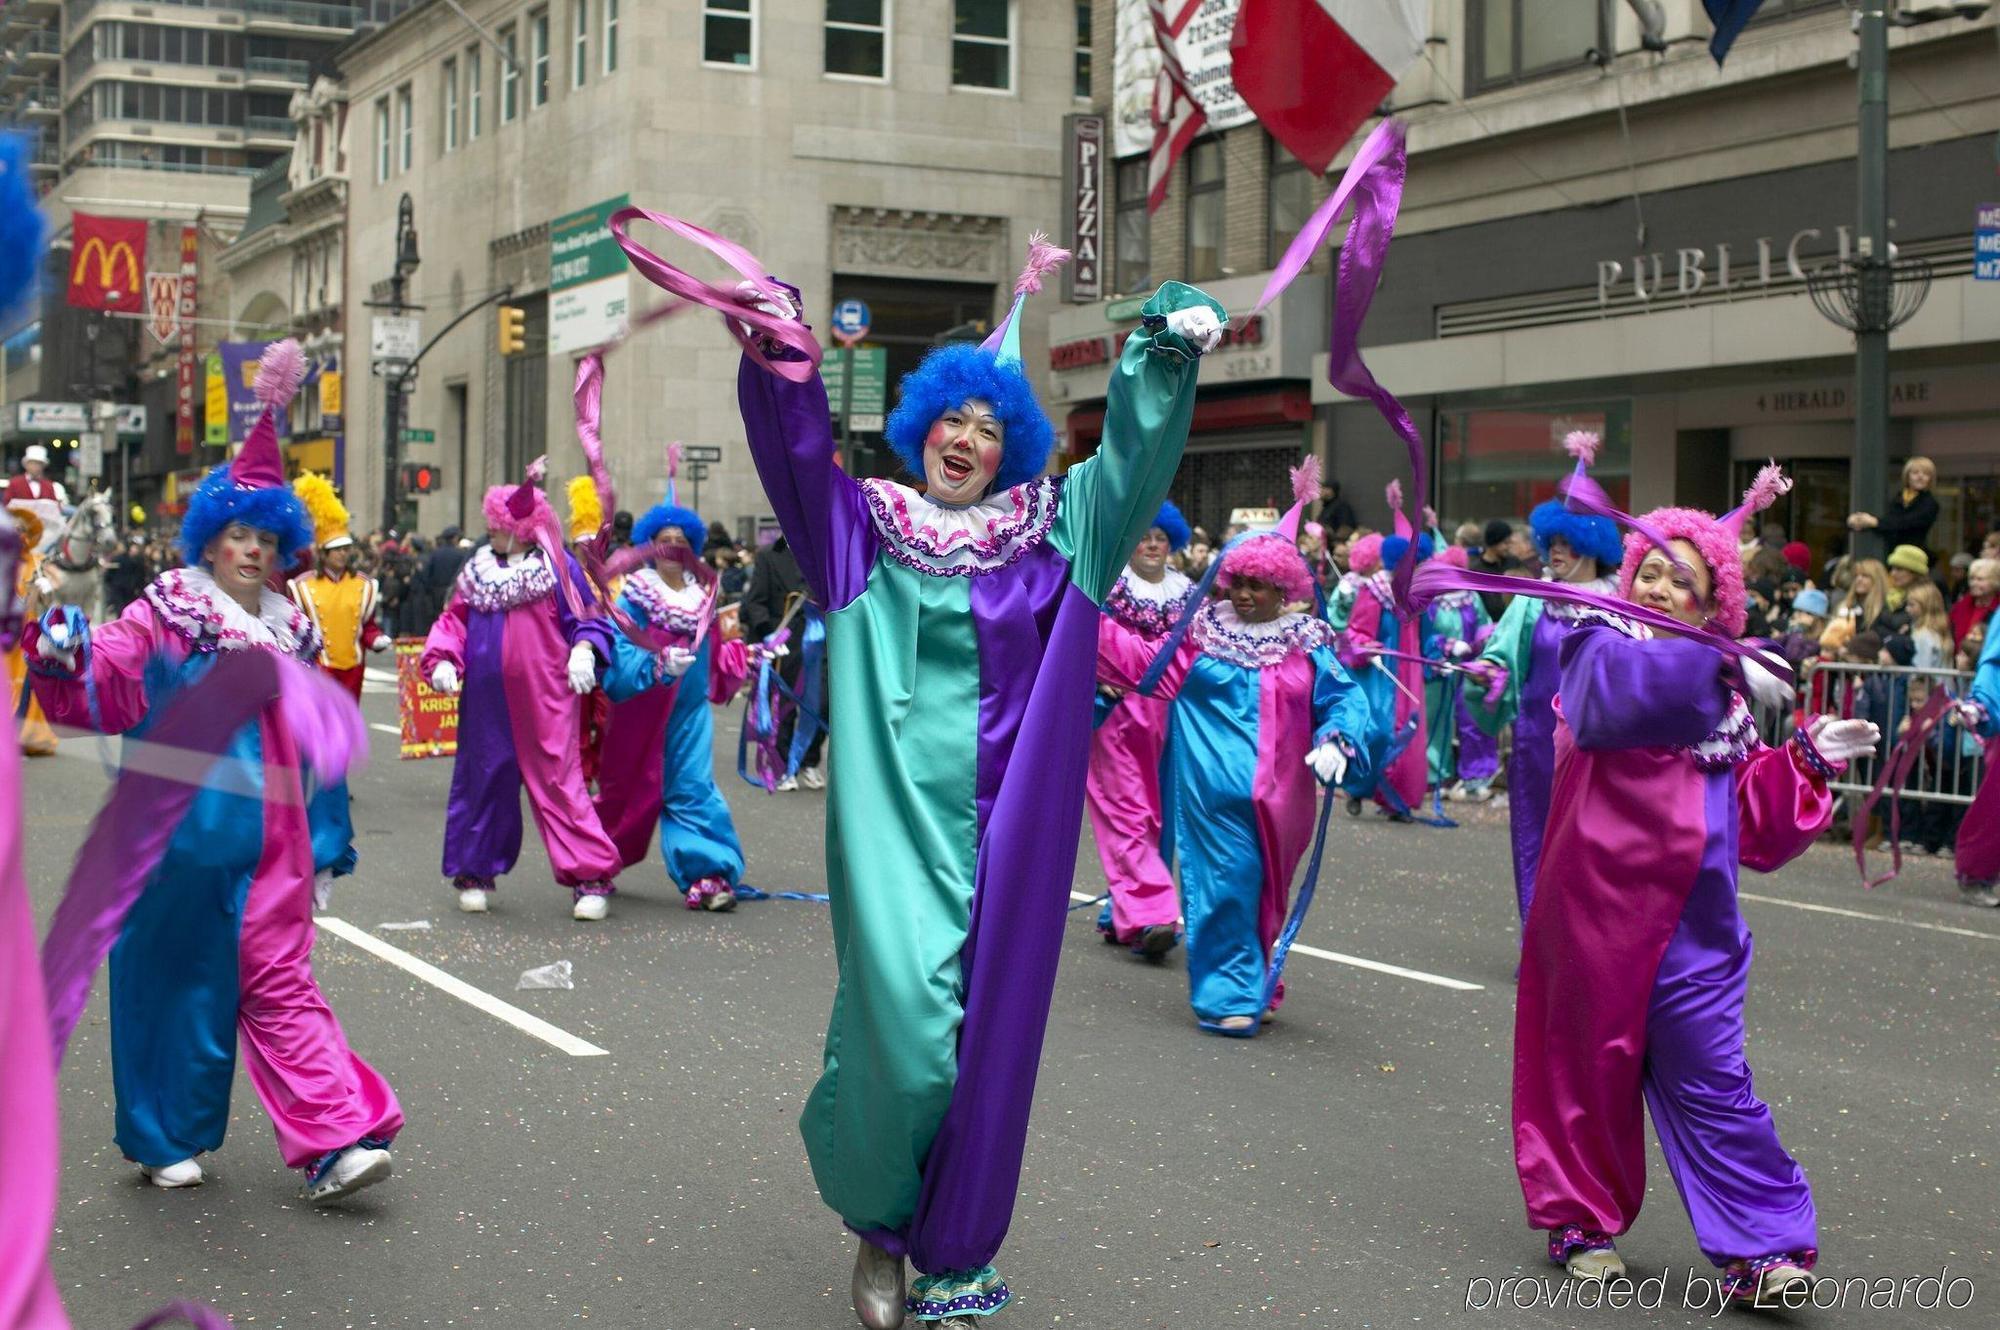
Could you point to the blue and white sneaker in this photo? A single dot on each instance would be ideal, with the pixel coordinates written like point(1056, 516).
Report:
point(341, 1173)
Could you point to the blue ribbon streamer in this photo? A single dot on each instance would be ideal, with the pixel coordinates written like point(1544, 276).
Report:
point(743, 891)
point(1283, 946)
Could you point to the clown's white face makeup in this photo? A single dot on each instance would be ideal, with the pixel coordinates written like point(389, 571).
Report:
point(1255, 600)
point(1683, 593)
point(1149, 560)
point(962, 453)
point(240, 557)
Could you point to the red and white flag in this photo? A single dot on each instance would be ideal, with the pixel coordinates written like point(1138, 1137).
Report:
point(1177, 116)
point(1315, 70)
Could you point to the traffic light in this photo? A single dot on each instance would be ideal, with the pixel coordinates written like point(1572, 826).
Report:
point(420, 478)
point(513, 330)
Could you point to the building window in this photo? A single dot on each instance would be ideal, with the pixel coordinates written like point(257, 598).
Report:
point(1290, 200)
point(1134, 231)
point(1507, 48)
point(729, 33)
point(579, 38)
point(1083, 49)
point(1204, 209)
point(451, 105)
point(857, 38)
point(381, 139)
point(610, 36)
point(406, 128)
point(538, 58)
point(474, 94)
point(510, 75)
point(982, 44)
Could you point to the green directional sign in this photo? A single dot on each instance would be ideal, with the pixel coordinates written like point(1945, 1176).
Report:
point(589, 288)
point(420, 436)
point(871, 385)
point(1124, 311)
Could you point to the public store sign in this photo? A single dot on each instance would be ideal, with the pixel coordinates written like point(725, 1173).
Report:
point(1986, 243)
point(590, 284)
point(871, 386)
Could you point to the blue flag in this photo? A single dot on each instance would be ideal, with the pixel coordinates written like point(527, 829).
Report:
point(1728, 16)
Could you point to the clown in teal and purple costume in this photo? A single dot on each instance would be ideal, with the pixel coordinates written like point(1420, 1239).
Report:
point(960, 643)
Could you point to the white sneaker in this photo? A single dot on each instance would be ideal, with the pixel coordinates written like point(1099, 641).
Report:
point(358, 1166)
point(590, 908)
point(811, 779)
point(187, 1173)
point(472, 900)
point(787, 784)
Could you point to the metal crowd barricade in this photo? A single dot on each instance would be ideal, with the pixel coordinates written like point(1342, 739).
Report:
point(1950, 766)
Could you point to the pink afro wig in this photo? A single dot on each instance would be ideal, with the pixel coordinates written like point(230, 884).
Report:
point(1364, 556)
point(1718, 550)
point(500, 518)
point(1268, 557)
point(1453, 555)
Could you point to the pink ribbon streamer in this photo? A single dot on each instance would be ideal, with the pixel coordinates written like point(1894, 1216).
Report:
point(735, 311)
point(1895, 770)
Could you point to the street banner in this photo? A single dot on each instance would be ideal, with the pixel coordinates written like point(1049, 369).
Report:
point(239, 386)
point(215, 402)
point(1201, 32)
point(430, 718)
point(163, 306)
point(107, 262)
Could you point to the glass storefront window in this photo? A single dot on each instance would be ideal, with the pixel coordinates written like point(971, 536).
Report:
point(1501, 462)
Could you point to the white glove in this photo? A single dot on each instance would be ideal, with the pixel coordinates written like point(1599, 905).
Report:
point(1766, 689)
point(677, 661)
point(1969, 714)
point(322, 889)
point(381, 644)
point(775, 303)
point(778, 652)
point(1840, 740)
point(1328, 763)
point(444, 678)
point(65, 656)
point(1198, 325)
point(582, 669)
point(1459, 649)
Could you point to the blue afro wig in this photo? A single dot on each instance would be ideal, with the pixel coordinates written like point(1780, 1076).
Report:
point(1170, 521)
point(663, 515)
point(950, 375)
point(1593, 537)
point(23, 230)
point(218, 501)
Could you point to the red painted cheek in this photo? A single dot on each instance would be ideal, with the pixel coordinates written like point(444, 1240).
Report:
point(936, 438)
point(989, 458)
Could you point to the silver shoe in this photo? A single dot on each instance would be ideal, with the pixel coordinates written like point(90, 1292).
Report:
point(879, 1288)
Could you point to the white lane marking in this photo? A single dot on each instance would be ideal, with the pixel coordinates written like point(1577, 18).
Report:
point(396, 730)
point(1874, 918)
point(370, 674)
point(1361, 962)
point(561, 1040)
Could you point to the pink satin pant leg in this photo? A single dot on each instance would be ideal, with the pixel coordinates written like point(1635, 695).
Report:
point(1123, 787)
point(320, 1095)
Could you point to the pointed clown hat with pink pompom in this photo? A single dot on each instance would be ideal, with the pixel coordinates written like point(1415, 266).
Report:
point(251, 489)
point(1716, 538)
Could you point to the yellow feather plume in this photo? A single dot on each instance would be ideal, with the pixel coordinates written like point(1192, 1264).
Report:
point(323, 506)
point(586, 510)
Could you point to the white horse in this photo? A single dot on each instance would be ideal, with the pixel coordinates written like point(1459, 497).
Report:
point(72, 561)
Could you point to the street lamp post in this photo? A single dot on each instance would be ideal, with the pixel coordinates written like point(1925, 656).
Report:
point(395, 379)
point(1869, 480)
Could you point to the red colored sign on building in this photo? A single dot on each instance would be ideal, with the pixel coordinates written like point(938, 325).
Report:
point(107, 262)
point(185, 394)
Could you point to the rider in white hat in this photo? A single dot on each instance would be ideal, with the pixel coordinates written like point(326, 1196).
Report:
point(32, 484)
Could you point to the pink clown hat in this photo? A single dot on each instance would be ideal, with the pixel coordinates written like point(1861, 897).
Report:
point(280, 371)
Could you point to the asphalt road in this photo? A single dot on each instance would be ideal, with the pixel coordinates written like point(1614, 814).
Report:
point(1350, 1168)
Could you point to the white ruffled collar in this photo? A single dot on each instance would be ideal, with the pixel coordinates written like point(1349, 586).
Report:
point(1218, 632)
point(676, 611)
point(489, 584)
point(944, 541)
point(190, 603)
point(1151, 608)
point(1733, 739)
point(1567, 612)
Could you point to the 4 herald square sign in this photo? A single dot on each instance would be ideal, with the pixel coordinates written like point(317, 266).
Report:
point(1986, 243)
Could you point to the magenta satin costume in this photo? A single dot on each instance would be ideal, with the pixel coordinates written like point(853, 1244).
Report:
point(1375, 623)
point(1636, 959)
point(1977, 853)
point(1123, 784)
point(179, 980)
point(508, 633)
